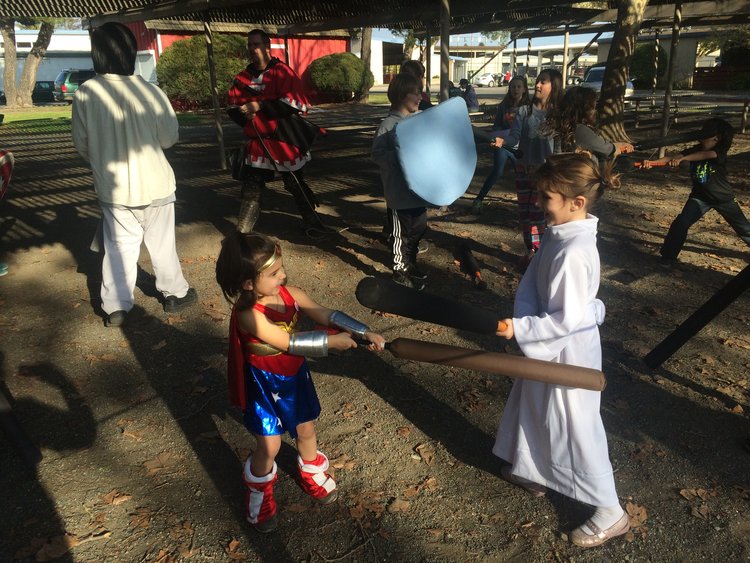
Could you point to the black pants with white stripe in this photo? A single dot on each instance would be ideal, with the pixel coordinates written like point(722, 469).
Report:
point(408, 227)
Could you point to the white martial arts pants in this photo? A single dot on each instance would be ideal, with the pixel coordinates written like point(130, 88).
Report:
point(124, 230)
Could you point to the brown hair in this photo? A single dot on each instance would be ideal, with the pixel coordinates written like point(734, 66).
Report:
point(413, 67)
point(556, 92)
point(263, 36)
point(113, 49)
point(574, 174)
point(243, 257)
point(524, 100)
point(578, 106)
point(401, 86)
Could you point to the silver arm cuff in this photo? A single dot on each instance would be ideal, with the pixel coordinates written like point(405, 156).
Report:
point(347, 323)
point(313, 343)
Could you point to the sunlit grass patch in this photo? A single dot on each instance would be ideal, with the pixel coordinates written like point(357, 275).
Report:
point(35, 113)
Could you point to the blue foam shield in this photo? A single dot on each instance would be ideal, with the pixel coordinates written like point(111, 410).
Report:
point(437, 152)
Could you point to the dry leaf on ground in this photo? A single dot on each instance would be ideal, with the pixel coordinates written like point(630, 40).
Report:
point(399, 505)
point(162, 462)
point(637, 514)
point(343, 462)
point(403, 431)
point(165, 557)
point(701, 511)
point(702, 494)
point(426, 451)
point(115, 497)
point(141, 518)
point(233, 550)
point(56, 547)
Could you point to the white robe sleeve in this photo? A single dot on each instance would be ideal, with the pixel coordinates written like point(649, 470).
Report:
point(79, 128)
point(526, 303)
point(545, 336)
point(168, 128)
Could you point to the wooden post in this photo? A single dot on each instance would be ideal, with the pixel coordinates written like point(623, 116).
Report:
point(214, 91)
point(445, 45)
point(700, 318)
point(528, 53)
point(670, 73)
point(565, 57)
point(656, 61)
point(428, 65)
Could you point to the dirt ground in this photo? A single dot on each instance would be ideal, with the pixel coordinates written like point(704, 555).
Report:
point(142, 454)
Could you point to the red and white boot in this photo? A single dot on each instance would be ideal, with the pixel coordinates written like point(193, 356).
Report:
point(315, 481)
point(260, 506)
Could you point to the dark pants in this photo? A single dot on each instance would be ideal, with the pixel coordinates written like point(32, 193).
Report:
point(501, 157)
point(252, 191)
point(409, 226)
point(695, 209)
point(530, 217)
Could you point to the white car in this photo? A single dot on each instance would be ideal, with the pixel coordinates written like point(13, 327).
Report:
point(595, 76)
point(486, 79)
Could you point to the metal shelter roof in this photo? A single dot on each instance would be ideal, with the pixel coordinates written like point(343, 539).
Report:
point(526, 17)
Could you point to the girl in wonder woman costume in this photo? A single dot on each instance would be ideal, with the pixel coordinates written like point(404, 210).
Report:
point(268, 375)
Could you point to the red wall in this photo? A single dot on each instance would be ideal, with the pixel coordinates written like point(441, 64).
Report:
point(302, 50)
point(145, 38)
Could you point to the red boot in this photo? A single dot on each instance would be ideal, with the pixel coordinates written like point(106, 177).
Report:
point(315, 481)
point(260, 506)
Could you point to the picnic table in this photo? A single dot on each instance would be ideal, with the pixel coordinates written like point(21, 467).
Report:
point(689, 103)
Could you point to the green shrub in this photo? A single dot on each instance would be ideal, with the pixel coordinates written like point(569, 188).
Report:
point(182, 69)
point(342, 76)
point(740, 82)
point(642, 65)
point(737, 57)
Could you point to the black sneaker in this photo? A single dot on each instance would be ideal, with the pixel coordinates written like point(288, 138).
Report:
point(115, 319)
point(268, 526)
point(416, 272)
point(667, 263)
point(172, 303)
point(402, 278)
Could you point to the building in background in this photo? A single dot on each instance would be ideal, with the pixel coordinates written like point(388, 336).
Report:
point(72, 49)
point(67, 49)
point(298, 51)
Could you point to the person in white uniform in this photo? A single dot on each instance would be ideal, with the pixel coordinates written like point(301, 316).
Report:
point(120, 125)
point(552, 436)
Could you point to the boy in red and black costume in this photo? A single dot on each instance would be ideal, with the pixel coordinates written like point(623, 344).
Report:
point(266, 92)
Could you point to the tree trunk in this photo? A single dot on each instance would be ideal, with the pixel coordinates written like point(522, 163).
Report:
point(611, 101)
point(366, 54)
point(30, 67)
point(408, 51)
point(7, 28)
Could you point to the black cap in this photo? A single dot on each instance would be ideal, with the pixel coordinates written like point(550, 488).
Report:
point(710, 129)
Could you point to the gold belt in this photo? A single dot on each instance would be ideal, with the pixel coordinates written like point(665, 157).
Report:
point(263, 349)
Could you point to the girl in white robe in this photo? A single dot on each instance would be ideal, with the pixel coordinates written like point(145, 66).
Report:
point(552, 436)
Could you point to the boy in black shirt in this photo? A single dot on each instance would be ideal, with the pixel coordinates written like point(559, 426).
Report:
point(711, 189)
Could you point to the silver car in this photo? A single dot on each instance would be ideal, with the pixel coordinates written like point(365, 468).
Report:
point(595, 76)
point(486, 79)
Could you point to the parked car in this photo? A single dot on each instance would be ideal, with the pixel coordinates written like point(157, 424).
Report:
point(68, 81)
point(43, 92)
point(486, 79)
point(595, 75)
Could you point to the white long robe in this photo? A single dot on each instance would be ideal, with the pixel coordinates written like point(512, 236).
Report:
point(554, 435)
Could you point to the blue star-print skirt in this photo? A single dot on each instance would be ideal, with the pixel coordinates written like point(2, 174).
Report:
point(277, 403)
